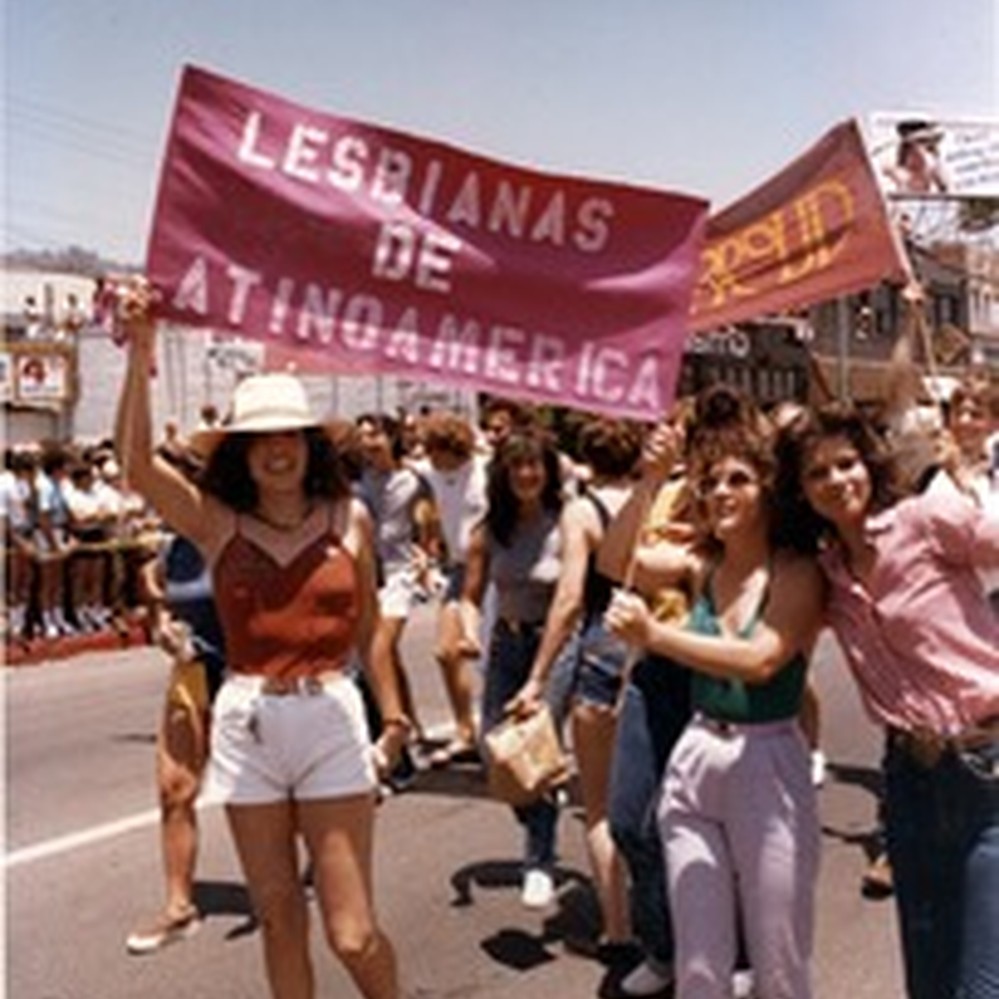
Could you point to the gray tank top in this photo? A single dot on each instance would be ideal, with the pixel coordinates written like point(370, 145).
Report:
point(525, 573)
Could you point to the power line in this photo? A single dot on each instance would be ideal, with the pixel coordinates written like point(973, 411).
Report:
point(90, 145)
point(27, 206)
point(38, 109)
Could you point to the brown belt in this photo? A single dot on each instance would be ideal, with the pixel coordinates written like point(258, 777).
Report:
point(928, 748)
point(726, 728)
point(287, 686)
point(516, 626)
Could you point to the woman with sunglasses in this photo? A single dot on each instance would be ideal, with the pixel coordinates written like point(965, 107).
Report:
point(738, 816)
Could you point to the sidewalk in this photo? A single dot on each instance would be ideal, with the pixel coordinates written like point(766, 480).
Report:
point(125, 633)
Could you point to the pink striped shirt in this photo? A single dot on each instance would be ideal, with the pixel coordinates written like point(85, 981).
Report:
point(919, 635)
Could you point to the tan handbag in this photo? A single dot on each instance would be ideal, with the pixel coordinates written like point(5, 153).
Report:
point(525, 758)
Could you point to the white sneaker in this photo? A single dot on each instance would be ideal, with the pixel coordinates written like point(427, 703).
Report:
point(818, 768)
point(88, 623)
point(650, 978)
point(538, 889)
point(49, 626)
point(65, 628)
point(15, 620)
point(744, 983)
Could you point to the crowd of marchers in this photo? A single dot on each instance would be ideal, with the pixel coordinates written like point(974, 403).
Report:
point(658, 589)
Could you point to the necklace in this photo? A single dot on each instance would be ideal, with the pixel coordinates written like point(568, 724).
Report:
point(282, 524)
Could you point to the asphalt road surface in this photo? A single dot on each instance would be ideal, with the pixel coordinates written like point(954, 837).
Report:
point(82, 861)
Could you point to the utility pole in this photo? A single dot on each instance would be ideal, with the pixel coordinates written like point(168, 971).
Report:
point(844, 322)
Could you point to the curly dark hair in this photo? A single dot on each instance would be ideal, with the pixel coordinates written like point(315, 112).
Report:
point(186, 461)
point(449, 433)
point(504, 507)
point(390, 427)
point(227, 473)
point(796, 517)
point(727, 423)
point(746, 442)
point(721, 407)
point(521, 415)
point(611, 447)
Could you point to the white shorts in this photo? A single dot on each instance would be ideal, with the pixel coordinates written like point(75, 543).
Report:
point(57, 544)
point(397, 594)
point(306, 745)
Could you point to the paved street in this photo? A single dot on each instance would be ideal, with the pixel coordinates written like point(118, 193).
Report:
point(83, 863)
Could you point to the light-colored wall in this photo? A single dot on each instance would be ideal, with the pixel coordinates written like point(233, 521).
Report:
point(192, 371)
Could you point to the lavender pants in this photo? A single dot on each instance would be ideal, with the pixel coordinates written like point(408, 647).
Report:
point(739, 824)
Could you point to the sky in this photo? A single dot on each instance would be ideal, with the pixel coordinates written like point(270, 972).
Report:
point(707, 97)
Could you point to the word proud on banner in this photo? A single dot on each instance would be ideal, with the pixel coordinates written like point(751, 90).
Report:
point(383, 252)
point(816, 230)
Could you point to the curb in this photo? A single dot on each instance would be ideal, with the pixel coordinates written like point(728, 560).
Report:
point(34, 651)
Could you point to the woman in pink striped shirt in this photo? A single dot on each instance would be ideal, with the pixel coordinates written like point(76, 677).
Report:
point(913, 621)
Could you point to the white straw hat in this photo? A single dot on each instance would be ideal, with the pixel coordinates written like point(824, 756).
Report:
point(261, 404)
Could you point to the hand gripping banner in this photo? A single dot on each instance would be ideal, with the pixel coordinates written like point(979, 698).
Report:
point(384, 252)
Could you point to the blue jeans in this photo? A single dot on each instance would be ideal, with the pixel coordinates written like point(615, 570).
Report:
point(942, 828)
point(511, 654)
point(654, 710)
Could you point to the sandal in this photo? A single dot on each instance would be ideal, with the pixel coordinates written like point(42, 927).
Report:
point(164, 929)
point(455, 751)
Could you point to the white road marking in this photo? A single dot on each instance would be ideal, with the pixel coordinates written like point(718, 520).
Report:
point(85, 837)
point(108, 830)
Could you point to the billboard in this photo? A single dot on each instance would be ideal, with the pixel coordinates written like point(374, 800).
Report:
point(917, 156)
point(41, 378)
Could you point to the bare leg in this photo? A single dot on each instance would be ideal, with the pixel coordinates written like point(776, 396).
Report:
point(181, 756)
point(265, 841)
point(386, 642)
point(49, 590)
point(180, 767)
point(456, 674)
point(18, 588)
point(339, 835)
point(593, 741)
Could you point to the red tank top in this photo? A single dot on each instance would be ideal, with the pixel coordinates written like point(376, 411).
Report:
point(287, 621)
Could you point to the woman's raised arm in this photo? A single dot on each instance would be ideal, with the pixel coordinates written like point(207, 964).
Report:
point(180, 503)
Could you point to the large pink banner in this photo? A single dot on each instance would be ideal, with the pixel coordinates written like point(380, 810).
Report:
point(384, 252)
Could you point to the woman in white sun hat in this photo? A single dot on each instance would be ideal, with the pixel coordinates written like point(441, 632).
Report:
point(290, 555)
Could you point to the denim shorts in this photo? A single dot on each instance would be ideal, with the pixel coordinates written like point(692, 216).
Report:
point(303, 746)
point(602, 662)
point(454, 579)
point(982, 764)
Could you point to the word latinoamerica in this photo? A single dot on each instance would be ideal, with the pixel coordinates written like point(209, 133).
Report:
point(359, 325)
